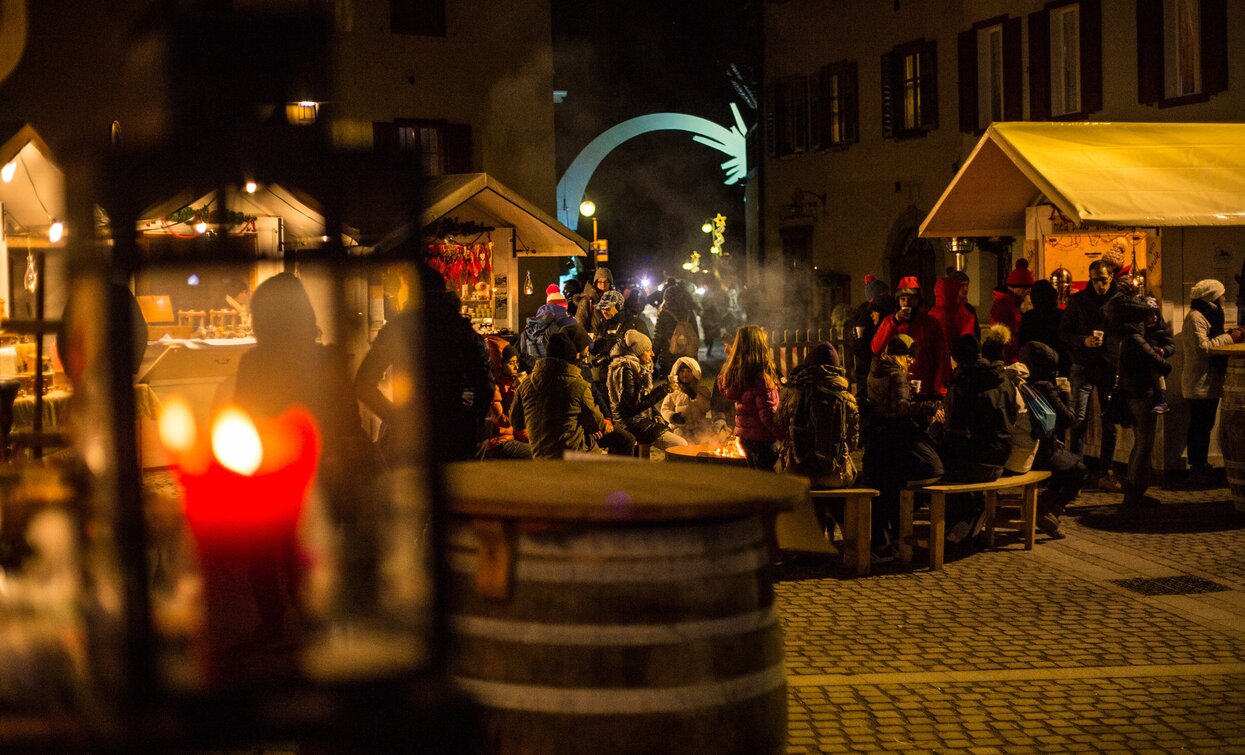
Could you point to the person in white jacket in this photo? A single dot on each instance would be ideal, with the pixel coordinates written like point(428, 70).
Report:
point(686, 408)
point(1201, 376)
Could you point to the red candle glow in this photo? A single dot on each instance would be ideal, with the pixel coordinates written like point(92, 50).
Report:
point(245, 488)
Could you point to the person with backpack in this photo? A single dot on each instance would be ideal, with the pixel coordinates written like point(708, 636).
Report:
point(822, 422)
point(534, 340)
point(676, 333)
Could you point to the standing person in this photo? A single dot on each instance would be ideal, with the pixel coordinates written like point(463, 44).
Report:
point(676, 334)
point(712, 312)
point(615, 321)
point(1083, 327)
point(506, 442)
point(930, 365)
point(866, 320)
point(949, 309)
point(460, 386)
point(821, 420)
point(1201, 377)
point(633, 397)
point(555, 405)
point(572, 290)
point(1041, 323)
point(1141, 364)
point(1008, 302)
point(898, 450)
point(965, 280)
point(586, 313)
point(749, 380)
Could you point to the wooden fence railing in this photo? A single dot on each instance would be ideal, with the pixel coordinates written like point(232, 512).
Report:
point(791, 347)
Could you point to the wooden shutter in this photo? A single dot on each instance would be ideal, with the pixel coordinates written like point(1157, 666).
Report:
point(818, 109)
point(888, 95)
point(1091, 56)
point(385, 137)
point(929, 85)
point(799, 113)
point(458, 148)
point(966, 68)
point(1149, 51)
point(771, 120)
point(1214, 41)
point(1039, 66)
point(1013, 71)
point(849, 91)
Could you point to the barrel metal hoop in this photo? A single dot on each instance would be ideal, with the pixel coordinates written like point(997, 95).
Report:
point(544, 633)
point(614, 572)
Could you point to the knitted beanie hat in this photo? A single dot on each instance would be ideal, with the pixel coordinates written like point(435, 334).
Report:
point(908, 285)
point(562, 347)
point(1114, 255)
point(579, 337)
point(554, 294)
point(965, 349)
point(823, 353)
point(637, 342)
point(874, 287)
point(1208, 289)
point(611, 298)
point(1020, 276)
point(900, 346)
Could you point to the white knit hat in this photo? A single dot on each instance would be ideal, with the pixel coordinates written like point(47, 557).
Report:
point(1208, 289)
point(554, 294)
point(637, 342)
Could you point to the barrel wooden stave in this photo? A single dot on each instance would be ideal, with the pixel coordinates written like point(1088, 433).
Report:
point(1232, 429)
point(627, 639)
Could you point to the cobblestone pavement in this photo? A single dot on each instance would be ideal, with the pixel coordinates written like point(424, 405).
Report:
point(1041, 651)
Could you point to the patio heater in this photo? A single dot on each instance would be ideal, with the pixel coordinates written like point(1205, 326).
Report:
point(283, 585)
point(960, 247)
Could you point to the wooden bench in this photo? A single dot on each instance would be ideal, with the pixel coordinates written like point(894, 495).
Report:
point(938, 493)
point(800, 529)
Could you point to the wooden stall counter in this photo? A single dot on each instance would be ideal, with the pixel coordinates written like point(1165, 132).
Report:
point(1232, 421)
point(618, 606)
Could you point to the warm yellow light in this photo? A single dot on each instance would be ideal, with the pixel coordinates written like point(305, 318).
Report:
point(176, 425)
point(251, 186)
point(587, 208)
point(6, 173)
point(707, 227)
point(715, 250)
point(56, 231)
point(235, 441)
point(200, 227)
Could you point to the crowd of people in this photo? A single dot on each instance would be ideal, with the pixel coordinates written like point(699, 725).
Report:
point(938, 395)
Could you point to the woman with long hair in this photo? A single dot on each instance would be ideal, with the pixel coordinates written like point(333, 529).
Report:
point(749, 379)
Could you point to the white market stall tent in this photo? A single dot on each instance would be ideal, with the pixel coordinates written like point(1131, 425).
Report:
point(1174, 190)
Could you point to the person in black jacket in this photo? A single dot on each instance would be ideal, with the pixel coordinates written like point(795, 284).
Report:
point(1084, 328)
point(865, 322)
point(1067, 472)
point(1042, 323)
point(1142, 362)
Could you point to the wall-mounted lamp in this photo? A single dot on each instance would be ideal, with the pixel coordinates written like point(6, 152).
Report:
point(804, 204)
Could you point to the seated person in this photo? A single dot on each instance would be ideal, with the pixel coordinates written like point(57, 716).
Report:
point(686, 408)
point(555, 405)
point(633, 398)
point(505, 442)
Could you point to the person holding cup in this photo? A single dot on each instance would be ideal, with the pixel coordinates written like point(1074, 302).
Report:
point(877, 305)
point(1083, 328)
point(931, 365)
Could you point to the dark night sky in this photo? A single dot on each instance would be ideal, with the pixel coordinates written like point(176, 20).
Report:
point(618, 60)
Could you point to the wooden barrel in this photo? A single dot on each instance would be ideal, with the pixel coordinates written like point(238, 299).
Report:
point(618, 608)
point(1232, 422)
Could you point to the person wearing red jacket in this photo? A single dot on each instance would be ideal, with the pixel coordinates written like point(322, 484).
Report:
point(949, 309)
point(932, 364)
point(1007, 303)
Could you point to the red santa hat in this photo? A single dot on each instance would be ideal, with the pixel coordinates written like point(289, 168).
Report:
point(553, 295)
point(1020, 276)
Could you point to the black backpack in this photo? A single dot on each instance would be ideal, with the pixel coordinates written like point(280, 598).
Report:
point(534, 340)
point(819, 435)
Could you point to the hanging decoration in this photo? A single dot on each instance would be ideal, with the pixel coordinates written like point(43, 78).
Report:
point(31, 283)
point(462, 264)
point(225, 221)
point(527, 284)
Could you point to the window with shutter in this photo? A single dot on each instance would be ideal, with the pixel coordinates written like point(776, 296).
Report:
point(1181, 51)
point(990, 69)
point(833, 110)
point(910, 89)
point(790, 115)
point(1065, 60)
point(442, 147)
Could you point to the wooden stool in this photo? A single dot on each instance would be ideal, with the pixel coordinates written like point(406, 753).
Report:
point(801, 529)
point(938, 511)
point(192, 318)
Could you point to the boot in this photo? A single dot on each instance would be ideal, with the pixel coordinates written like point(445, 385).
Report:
point(1110, 483)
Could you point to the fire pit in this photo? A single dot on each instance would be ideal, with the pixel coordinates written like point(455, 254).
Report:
point(731, 454)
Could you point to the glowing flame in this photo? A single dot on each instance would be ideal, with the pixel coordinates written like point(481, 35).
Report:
point(236, 443)
point(732, 450)
point(177, 425)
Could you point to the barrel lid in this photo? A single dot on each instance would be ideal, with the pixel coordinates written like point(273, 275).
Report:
point(1231, 350)
point(616, 490)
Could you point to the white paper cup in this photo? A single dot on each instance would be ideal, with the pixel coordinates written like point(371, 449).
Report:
point(860, 331)
point(1098, 334)
point(916, 386)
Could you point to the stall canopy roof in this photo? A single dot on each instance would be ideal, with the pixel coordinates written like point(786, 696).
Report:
point(35, 194)
point(482, 198)
point(1125, 174)
point(301, 214)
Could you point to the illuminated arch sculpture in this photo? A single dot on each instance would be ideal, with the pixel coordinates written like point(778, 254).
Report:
point(731, 141)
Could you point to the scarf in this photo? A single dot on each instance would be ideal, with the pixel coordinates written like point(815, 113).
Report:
point(1214, 316)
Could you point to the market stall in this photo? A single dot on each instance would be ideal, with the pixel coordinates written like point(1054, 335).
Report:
point(1169, 195)
point(496, 249)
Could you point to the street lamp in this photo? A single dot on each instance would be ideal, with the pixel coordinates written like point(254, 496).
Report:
point(588, 209)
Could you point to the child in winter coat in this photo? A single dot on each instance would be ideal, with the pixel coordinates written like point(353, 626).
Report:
point(749, 379)
point(686, 408)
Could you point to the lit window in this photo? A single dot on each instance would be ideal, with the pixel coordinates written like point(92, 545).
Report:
point(1065, 60)
point(1182, 50)
point(989, 75)
point(910, 90)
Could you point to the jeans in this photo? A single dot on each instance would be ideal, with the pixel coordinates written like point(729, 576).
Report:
point(669, 439)
point(761, 454)
point(1082, 385)
point(510, 449)
point(1201, 421)
point(1144, 422)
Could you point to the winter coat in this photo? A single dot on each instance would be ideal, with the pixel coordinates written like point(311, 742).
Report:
point(609, 332)
point(693, 411)
point(667, 319)
point(557, 312)
point(980, 410)
point(932, 364)
point(1006, 311)
point(1024, 445)
point(754, 410)
point(556, 408)
point(1083, 315)
point(1042, 324)
point(1142, 355)
point(1198, 379)
point(835, 436)
point(632, 396)
point(955, 319)
point(586, 307)
point(499, 413)
point(890, 395)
